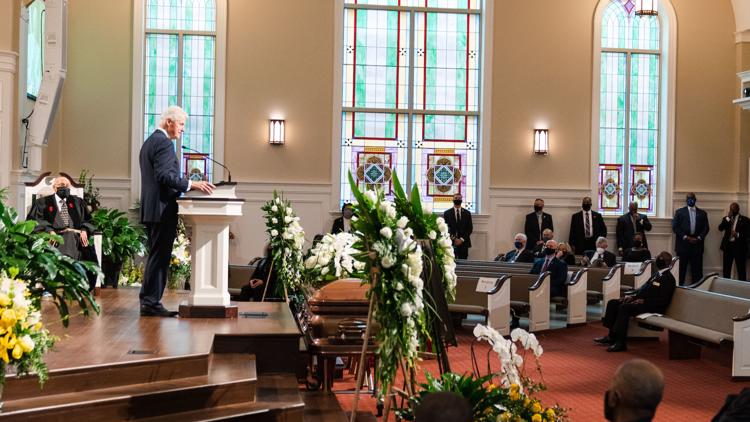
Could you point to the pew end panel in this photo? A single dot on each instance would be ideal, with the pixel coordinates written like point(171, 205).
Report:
point(674, 267)
point(705, 283)
point(611, 285)
point(538, 296)
point(577, 288)
point(498, 305)
point(641, 277)
point(741, 348)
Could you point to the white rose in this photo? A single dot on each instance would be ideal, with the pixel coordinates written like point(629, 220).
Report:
point(278, 201)
point(289, 211)
point(402, 222)
point(310, 262)
point(274, 232)
point(324, 260)
point(440, 220)
point(406, 309)
point(432, 235)
point(274, 208)
point(386, 232)
point(371, 196)
point(324, 271)
point(399, 286)
point(391, 212)
point(288, 219)
point(387, 262)
point(27, 343)
point(274, 220)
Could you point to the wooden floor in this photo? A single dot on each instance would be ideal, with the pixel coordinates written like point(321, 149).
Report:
point(120, 334)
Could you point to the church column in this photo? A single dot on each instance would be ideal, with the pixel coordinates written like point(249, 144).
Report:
point(8, 61)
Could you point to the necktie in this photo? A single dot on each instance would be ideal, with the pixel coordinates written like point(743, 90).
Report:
point(539, 220)
point(587, 224)
point(635, 227)
point(692, 220)
point(546, 264)
point(458, 215)
point(64, 213)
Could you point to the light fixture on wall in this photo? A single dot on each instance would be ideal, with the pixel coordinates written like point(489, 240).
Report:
point(276, 132)
point(541, 141)
point(646, 8)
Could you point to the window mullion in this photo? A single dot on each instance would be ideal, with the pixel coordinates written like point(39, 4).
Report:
point(626, 154)
point(410, 116)
point(179, 89)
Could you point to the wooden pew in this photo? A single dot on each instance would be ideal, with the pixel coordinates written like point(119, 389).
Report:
point(493, 304)
point(636, 274)
point(696, 317)
point(239, 275)
point(725, 286)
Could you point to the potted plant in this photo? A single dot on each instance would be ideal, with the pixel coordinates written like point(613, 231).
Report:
point(121, 240)
point(91, 195)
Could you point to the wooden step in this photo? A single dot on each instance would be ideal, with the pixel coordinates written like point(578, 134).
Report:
point(231, 379)
point(95, 377)
point(278, 399)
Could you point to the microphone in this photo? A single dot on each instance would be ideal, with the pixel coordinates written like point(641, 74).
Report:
point(229, 173)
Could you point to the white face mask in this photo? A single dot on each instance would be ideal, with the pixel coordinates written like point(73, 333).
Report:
point(600, 251)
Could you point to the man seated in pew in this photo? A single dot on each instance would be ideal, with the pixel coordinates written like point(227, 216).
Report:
point(519, 254)
point(558, 269)
point(628, 225)
point(734, 242)
point(344, 223)
point(653, 297)
point(538, 250)
point(67, 216)
point(601, 254)
point(253, 290)
point(566, 255)
point(637, 253)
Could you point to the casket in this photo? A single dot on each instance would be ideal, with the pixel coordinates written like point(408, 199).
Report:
point(337, 312)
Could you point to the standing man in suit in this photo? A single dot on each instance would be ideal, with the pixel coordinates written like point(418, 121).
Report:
point(535, 224)
point(654, 296)
point(557, 267)
point(690, 226)
point(459, 227)
point(585, 227)
point(161, 185)
point(736, 230)
point(343, 223)
point(628, 225)
point(66, 215)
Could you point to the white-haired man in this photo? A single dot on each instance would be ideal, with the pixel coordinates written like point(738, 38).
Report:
point(161, 185)
point(601, 253)
point(519, 253)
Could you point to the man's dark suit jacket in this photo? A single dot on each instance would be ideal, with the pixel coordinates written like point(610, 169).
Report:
point(525, 256)
point(531, 228)
point(161, 183)
point(44, 211)
point(681, 227)
point(636, 255)
point(625, 231)
point(463, 228)
point(609, 258)
point(558, 274)
point(577, 238)
point(338, 225)
point(657, 292)
point(742, 229)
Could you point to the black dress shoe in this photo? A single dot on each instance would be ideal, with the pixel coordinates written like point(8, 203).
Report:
point(604, 340)
point(153, 311)
point(617, 347)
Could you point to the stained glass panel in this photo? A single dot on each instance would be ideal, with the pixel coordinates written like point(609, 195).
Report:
point(435, 4)
point(181, 15)
point(35, 48)
point(612, 108)
point(642, 187)
point(610, 187)
point(160, 74)
point(621, 28)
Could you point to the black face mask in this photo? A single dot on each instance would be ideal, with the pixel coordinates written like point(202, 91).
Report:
point(538, 208)
point(609, 412)
point(63, 192)
point(549, 251)
point(586, 207)
point(660, 264)
point(457, 202)
point(637, 243)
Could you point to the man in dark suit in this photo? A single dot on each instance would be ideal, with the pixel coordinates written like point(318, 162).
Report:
point(538, 250)
point(161, 185)
point(585, 227)
point(690, 226)
point(459, 227)
point(343, 223)
point(637, 253)
point(535, 224)
point(519, 254)
point(628, 225)
point(654, 296)
point(736, 230)
point(558, 269)
point(601, 253)
point(67, 216)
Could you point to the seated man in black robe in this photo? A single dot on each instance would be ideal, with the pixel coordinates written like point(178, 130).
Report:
point(67, 216)
point(654, 296)
point(253, 290)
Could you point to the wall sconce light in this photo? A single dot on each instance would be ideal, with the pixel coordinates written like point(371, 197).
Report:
point(276, 132)
point(646, 8)
point(541, 141)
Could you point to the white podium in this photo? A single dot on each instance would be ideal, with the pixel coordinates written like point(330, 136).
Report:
point(209, 216)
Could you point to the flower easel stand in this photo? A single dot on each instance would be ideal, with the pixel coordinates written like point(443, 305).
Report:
point(374, 271)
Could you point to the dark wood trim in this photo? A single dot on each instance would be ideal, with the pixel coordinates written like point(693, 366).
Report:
point(499, 284)
point(41, 177)
point(194, 311)
point(741, 318)
point(206, 199)
point(538, 283)
point(702, 280)
point(72, 180)
point(38, 179)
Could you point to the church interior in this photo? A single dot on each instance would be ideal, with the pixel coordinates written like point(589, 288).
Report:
point(358, 153)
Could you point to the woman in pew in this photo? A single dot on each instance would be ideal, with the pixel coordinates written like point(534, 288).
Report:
point(565, 255)
point(654, 296)
point(637, 253)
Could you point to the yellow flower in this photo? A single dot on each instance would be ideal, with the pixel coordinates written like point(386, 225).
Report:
point(4, 299)
point(17, 352)
point(536, 418)
point(12, 341)
point(505, 417)
point(4, 354)
point(514, 387)
point(9, 317)
point(536, 408)
point(38, 326)
point(551, 414)
point(514, 395)
point(526, 402)
point(491, 387)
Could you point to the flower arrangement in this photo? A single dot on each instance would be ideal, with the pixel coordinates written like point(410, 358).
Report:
point(287, 238)
point(179, 263)
point(131, 274)
point(427, 225)
point(23, 338)
point(394, 262)
point(332, 258)
point(504, 396)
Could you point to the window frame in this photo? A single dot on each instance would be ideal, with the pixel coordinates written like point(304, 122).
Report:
point(138, 97)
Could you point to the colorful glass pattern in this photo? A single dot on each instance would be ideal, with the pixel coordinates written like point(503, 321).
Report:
point(629, 102)
point(440, 152)
point(610, 187)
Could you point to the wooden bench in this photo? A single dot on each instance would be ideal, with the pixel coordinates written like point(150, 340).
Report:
point(239, 275)
point(493, 304)
point(696, 318)
point(726, 286)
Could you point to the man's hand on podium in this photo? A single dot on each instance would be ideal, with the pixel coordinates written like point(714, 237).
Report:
point(203, 187)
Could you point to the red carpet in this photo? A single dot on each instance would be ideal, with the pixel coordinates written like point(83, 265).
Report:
point(577, 372)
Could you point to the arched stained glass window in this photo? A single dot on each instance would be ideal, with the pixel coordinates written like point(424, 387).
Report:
point(411, 97)
point(629, 109)
point(180, 62)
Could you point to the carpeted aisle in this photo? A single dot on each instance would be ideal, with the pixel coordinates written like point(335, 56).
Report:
point(577, 373)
